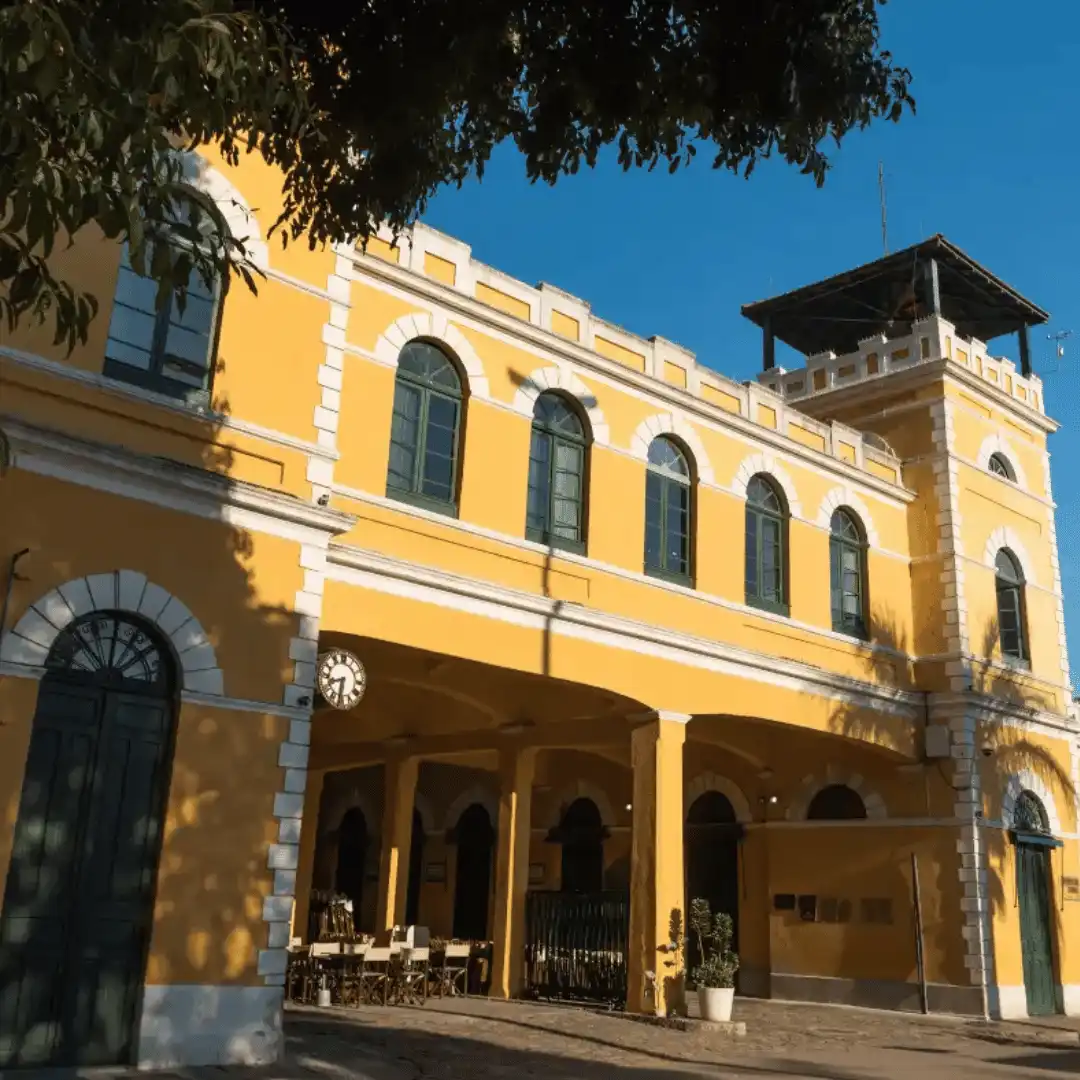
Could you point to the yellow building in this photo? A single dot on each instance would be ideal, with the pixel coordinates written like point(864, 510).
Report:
point(632, 633)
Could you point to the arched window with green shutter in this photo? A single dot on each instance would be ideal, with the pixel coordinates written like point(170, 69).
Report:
point(425, 429)
point(668, 511)
point(1012, 631)
point(766, 546)
point(555, 511)
point(847, 574)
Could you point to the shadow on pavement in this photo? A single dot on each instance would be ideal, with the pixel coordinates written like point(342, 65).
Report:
point(340, 1045)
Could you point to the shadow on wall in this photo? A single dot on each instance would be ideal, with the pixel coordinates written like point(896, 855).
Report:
point(1000, 755)
point(199, 913)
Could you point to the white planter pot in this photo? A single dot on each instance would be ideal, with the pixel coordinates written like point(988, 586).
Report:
point(715, 1003)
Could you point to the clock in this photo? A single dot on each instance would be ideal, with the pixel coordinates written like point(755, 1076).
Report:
point(341, 679)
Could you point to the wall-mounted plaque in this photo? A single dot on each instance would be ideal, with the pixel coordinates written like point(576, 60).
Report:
point(1070, 888)
point(537, 873)
point(435, 872)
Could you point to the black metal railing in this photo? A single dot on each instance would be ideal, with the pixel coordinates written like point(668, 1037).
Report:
point(576, 945)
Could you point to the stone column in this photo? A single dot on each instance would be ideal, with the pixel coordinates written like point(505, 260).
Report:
point(516, 768)
point(656, 865)
point(305, 862)
point(399, 797)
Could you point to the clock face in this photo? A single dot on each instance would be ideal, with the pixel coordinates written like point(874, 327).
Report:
point(341, 678)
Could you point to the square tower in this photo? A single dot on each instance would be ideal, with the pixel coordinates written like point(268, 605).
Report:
point(897, 349)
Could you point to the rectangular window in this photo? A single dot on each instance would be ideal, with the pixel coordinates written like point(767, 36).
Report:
point(404, 437)
point(162, 350)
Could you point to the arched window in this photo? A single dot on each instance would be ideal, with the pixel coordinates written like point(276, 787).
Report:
point(837, 802)
point(1010, 605)
point(581, 832)
point(1000, 465)
point(424, 429)
point(847, 574)
point(1030, 815)
point(555, 513)
point(668, 511)
point(162, 349)
point(766, 544)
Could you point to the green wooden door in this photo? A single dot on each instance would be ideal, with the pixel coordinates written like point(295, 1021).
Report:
point(78, 901)
point(1033, 884)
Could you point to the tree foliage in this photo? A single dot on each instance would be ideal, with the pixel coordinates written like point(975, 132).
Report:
point(369, 108)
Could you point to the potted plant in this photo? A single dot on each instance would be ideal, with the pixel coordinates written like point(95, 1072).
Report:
point(715, 974)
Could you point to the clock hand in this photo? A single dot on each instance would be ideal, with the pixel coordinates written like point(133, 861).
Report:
point(340, 684)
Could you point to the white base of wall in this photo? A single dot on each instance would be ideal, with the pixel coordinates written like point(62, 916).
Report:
point(1011, 1003)
point(1070, 999)
point(210, 1025)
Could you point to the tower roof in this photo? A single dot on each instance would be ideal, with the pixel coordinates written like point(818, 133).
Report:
point(836, 314)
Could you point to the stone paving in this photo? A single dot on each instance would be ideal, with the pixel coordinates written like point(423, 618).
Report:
point(476, 1039)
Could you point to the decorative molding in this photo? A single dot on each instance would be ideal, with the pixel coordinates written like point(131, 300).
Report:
point(1055, 565)
point(996, 444)
point(672, 424)
point(1004, 536)
point(382, 573)
point(845, 498)
point(708, 781)
point(583, 789)
point(1026, 780)
point(130, 392)
point(812, 785)
point(28, 642)
point(172, 485)
point(562, 378)
point(437, 327)
point(474, 794)
point(767, 465)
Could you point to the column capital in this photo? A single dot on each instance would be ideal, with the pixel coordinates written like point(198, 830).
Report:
point(653, 715)
point(673, 717)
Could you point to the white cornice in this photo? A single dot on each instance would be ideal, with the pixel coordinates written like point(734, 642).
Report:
point(550, 347)
point(170, 484)
point(382, 573)
point(170, 405)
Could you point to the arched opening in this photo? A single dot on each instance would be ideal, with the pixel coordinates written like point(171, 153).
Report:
point(837, 802)
point(558, 456)
point(766, 545)
point(1012, 612)
point(416, 870)
point(475, 839)
point(425, 428)
point(581, 833)
point(351, 861)
point(669, 529)
point(1001, 466)
point(712, 861)
point(79, 897)
point(1031, 834)
point(847, 574)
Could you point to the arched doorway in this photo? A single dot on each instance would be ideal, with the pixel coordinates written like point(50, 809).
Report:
point(79, 898)
point(1031, 834)
point(416, 870)
point(712, 861)
point(475, 839)
point(351, 861)
point(581, 833)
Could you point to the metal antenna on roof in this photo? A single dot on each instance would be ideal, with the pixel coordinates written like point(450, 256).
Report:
point(884, 215)
point(1059, 347)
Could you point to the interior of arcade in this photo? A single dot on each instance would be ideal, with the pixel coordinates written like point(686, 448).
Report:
point(797, 834)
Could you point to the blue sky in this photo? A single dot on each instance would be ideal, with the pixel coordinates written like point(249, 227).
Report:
point(990, 160)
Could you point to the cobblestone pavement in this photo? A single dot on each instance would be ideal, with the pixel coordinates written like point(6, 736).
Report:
point(475, 1039)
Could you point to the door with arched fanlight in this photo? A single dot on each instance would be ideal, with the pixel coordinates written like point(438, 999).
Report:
point(79, 897)
point(1031, 835)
